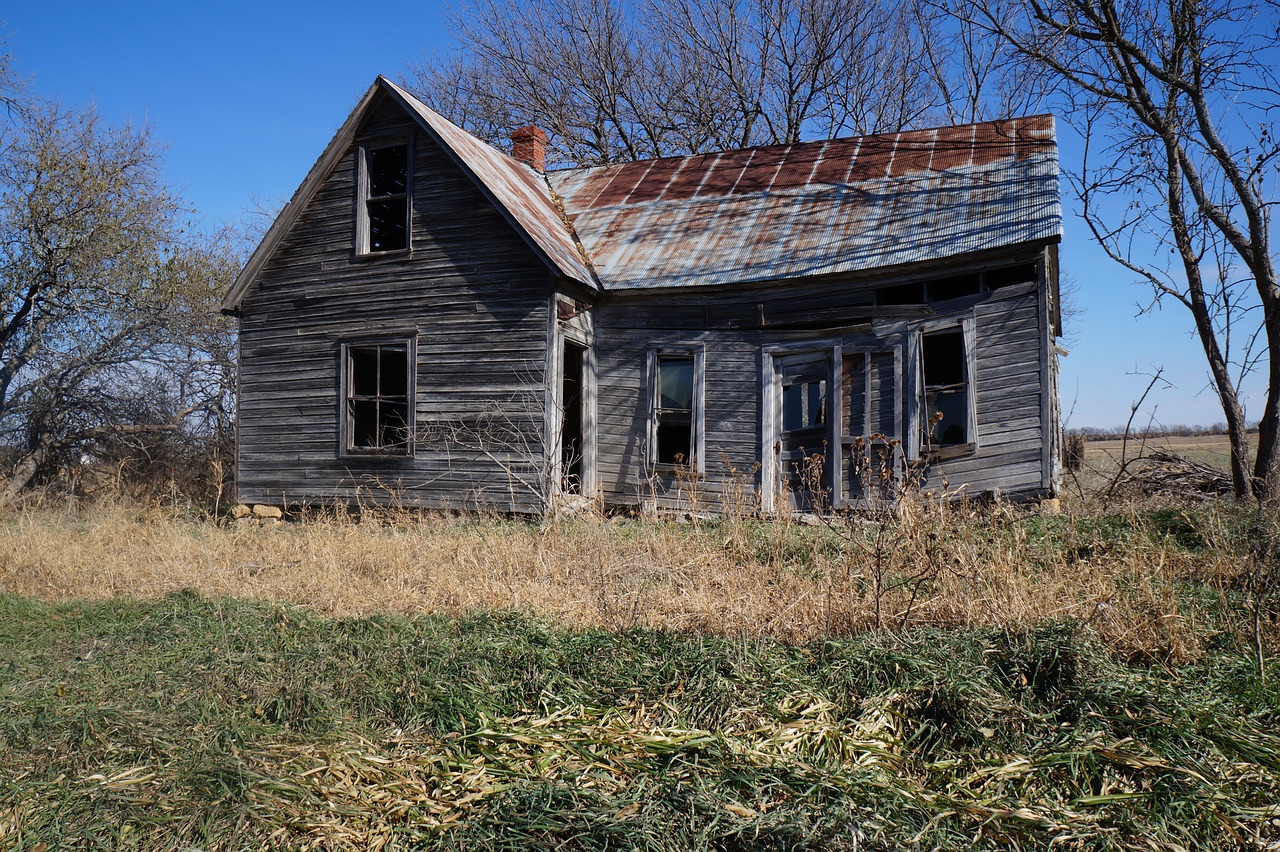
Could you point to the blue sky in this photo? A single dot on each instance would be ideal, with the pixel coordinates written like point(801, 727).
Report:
point(245, 97)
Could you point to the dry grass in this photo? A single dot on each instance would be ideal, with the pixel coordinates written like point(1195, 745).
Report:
point(1103, 456)
point(1097, 685)
point(934, 565)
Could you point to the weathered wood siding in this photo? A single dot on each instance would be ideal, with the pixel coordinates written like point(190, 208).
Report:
point(473, 296)
point(627, 325)
point(733, 328)
point(1012, 433)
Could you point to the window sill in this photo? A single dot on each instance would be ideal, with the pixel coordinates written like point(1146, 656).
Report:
point(369, 256)
point(667, 469)
point(376, 455)
point(949, 452)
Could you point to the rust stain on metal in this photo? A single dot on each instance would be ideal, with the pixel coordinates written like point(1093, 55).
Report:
point(780, 211)
point(816, 207)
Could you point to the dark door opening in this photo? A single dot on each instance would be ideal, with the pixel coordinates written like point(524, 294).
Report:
point(571, 419)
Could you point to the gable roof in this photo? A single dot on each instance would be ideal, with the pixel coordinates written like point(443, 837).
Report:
point(515, 188)
point(518, 192)
point(816, 208)
point(753, 215)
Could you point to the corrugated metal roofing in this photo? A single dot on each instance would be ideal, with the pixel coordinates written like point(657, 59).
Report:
point(517, 189)
point(816, 208)
point(756, 214)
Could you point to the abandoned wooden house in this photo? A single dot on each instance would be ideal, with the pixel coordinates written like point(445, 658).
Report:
point(434, 322)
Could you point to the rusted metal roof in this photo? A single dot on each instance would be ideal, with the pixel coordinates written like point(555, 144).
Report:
point(816, 208)
point(517, 189)
point(757, 214)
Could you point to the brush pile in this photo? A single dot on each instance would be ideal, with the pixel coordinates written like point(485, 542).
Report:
point(1169, 474)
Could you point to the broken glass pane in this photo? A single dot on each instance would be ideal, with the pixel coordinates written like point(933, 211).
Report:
point(387, 225)
point(388, 171)
point(944, 358)
point(393, 426)
point(953, 405)
point(675, 439)
point(394, 378)
point(804, 405)
point(364, 423)
point(364, 370)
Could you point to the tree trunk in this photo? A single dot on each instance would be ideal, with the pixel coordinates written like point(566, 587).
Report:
point(1266, 467)
point(25, 470)
point(1237, 431)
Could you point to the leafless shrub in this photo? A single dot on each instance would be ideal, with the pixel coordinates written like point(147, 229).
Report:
point(1073, 447)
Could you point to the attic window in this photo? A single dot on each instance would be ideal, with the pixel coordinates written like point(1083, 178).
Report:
point(378, 398)
point(956, 287)
point(1011, 275)
point(384, 220)
point(903, 294)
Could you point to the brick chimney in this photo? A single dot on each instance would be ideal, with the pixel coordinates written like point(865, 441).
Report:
point(529, 146)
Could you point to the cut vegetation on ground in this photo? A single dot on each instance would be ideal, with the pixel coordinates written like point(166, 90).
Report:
point(946, 677)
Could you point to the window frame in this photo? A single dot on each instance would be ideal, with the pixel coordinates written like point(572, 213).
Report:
point(697, 436)
point(364, 155)
point(347, 395)
point(922, 447)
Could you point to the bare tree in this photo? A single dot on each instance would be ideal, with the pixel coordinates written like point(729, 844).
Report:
point(576, 67)
point(977, 77)
point(107, 327)
point(614, 80)
point(1176, 102)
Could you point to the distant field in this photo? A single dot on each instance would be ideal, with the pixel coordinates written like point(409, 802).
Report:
point(1207, 449)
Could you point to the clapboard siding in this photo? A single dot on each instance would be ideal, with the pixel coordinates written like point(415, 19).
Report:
point(1009, 330)
point(627, 325)
point(1009, 334)
point(470, 294)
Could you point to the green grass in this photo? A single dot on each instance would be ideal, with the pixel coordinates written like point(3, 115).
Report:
point(191, 722)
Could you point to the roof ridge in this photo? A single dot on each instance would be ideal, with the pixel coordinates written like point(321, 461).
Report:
point(806, 142)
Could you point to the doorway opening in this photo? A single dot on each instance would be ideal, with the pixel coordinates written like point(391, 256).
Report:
point(573, 400)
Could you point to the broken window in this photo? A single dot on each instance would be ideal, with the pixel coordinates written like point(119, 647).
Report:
point(804, 404)
point(1011, 275)
point(956, 287)
point(386, 199)
point(675, 409)
point(903, 294)
point(379, 398)
point(948, 391)
point(871, 423)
